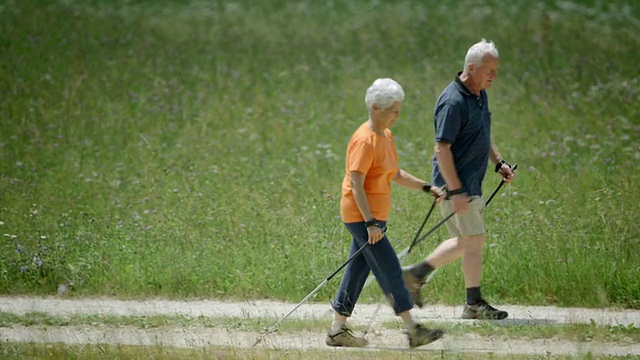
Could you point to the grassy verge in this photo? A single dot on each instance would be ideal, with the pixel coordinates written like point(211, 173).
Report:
point(21, 351)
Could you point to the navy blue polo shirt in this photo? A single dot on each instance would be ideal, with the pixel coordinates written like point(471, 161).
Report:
point(463, 119)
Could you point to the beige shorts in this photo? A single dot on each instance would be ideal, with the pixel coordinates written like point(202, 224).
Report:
point(467, 224)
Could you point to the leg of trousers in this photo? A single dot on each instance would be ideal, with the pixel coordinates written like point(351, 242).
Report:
point(381, 259)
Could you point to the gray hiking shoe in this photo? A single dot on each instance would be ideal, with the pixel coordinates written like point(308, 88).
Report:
point(414, 285)
point(345, 338)
point(421, 335)
point(483, 311)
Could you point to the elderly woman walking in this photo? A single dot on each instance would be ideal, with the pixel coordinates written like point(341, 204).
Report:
point(371, 164)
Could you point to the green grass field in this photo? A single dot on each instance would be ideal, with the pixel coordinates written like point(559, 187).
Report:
point(183, 150)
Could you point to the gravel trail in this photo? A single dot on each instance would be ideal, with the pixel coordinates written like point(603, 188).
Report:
point(381, 338)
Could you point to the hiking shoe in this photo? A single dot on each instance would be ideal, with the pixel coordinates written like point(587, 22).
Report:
point(421, 335)
point(414, 285)
point(345, 337)
point(483, 311)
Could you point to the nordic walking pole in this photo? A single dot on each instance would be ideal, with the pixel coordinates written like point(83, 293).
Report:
point(416, 240)
point(401, 257)
point(403, 254)
point(453, 213)
point(513, 168)
point(434, 228)
point(275, 326)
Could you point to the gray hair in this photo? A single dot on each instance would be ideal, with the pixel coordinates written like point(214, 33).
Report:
point(478, 51)
point(384, 93)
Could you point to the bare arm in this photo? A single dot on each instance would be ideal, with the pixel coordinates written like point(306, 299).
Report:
point(505, 170)
point(447, 166)
point(450, 175)
point(495, 156)
point(357, 187)
point(407, 180)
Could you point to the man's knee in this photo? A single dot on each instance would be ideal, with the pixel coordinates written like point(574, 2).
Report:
point(473, 243)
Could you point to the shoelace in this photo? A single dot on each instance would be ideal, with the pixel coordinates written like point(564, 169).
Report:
point(348, 331)
point(343, 330)
point(486, 305)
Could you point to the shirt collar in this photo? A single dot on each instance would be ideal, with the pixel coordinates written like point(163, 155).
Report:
point(462, 87)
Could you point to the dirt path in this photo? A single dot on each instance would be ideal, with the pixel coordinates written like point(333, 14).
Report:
point(380, 339)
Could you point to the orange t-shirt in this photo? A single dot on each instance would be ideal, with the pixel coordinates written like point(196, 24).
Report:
point(376, 157)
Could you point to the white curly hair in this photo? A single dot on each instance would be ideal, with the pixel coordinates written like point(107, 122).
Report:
point(384, 93)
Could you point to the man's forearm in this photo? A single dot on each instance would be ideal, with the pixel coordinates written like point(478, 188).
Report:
point(495, 156)
point(447, 167)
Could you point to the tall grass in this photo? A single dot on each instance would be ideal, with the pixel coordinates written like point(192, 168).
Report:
point(161, 148)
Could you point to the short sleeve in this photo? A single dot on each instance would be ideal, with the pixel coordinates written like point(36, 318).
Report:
point(448, 119)
point(360, 156)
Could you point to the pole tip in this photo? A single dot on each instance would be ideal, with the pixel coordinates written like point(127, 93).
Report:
point(257, 341)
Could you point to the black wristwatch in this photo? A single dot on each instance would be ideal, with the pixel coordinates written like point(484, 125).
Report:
point(372, 222)
point(455, 192)
point(426, 188)
point(499, 165)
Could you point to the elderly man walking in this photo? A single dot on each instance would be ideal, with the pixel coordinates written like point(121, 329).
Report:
point(463, 148)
